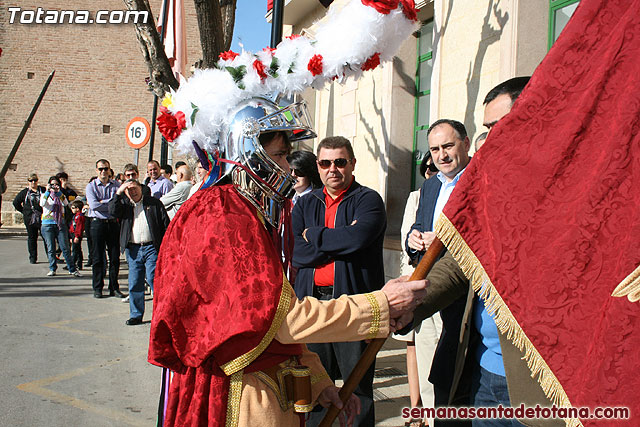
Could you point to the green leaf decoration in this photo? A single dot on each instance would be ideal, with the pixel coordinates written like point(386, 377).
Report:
point(193, 114)
point(237, 73)
point(290, 70)
point(273, 68)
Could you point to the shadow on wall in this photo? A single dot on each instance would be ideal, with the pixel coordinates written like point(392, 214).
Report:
point(489, 36)
point(395, 162)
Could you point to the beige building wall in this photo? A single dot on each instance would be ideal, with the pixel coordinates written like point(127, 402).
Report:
point(99, 80)
point(480, 44)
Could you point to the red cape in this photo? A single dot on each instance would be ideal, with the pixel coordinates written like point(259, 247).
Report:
point(219, 299)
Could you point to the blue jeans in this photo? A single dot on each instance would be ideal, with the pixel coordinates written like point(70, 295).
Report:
point(142, 264)
point(489, 389)
point(51, 232)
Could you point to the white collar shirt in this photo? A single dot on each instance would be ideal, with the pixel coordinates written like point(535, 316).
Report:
point(445, 191)
point(140, 231)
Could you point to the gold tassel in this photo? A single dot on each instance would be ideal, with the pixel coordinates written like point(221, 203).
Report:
point(505, 321)
point(629, 287)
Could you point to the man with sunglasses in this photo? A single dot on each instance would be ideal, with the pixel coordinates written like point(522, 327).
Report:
point(131, 172)
point(339, 232)
point(104, 230)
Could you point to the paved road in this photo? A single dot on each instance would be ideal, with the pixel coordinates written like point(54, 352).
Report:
point(69, 359)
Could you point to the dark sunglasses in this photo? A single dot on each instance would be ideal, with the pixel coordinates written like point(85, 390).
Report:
point(298, 173)
point(340, 163)
point(130, 174)
point(33, 180)
point(103, 169)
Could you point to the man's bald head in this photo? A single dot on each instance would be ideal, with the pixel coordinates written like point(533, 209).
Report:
point(183, 173)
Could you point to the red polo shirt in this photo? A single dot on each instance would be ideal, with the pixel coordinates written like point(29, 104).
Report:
point(324, 274)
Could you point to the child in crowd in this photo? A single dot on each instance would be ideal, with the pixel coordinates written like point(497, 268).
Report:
point(76, 227)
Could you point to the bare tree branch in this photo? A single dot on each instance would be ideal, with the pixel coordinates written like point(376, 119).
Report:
point(160, 73)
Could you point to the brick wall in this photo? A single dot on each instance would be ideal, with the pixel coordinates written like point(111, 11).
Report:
point(99, 81)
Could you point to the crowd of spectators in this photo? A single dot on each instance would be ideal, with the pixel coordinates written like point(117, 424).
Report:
point(63, 216)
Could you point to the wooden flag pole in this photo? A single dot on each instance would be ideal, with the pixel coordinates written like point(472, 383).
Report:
point(369, 355)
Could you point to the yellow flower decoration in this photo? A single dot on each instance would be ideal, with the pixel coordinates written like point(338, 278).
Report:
point(167, 101)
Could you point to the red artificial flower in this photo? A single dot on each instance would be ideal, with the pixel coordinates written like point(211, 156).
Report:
point(293, 36)
point(372, 62)
point(259, 67)
point(382, 6)
point(171, 125)
point(228, 55)
point(409, 10)
point(269, 49)
point(315, 65)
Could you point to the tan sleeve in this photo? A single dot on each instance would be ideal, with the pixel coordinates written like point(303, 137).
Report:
point(348, 318)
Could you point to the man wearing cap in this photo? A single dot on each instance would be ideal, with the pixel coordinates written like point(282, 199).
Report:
point(27, 202)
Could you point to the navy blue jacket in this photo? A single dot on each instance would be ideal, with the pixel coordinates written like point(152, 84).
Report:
point(355, 249)
point(424, 217)
point(443, 366)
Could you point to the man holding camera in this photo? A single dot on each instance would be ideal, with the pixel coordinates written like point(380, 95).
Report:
point(143, 222)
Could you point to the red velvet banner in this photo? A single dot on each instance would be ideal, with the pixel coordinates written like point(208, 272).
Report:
point(550, 207)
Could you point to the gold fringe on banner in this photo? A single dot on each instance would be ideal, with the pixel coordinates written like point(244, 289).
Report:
point(503, 317)
point(629, 287)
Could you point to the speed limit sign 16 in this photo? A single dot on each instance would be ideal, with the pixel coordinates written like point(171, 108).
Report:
point(138, 132)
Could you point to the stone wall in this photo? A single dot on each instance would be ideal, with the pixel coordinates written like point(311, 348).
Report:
point(99, 85)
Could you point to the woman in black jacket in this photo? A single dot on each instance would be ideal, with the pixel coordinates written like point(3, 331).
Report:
point(27, 202)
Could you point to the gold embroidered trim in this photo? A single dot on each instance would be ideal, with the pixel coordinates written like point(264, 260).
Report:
point(303, 408)
point(375, 315)
point(233, 404)
point(503, 317)
point(244, 360)
point(282, 399)
point(629, 287)
point(315, 379)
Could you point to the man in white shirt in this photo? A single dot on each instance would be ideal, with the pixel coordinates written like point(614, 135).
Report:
point(180, 192)
point(143, 222)
point(449, 147)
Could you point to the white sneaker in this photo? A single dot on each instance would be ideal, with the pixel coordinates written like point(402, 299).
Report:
point(51, 273)
point(126, 299)
point(76, 274)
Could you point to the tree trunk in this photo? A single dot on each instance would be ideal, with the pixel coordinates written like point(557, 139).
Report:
point(161, 76)
point(211, 32)
point(228, 20)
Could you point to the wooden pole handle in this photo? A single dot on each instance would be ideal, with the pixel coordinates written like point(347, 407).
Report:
point(369, 354)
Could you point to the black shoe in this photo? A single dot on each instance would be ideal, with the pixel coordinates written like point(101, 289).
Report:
point(65, 268)
point(88, 264)
point(97, 294)
point(116, 294)
point(134, 321)
point(33, 261)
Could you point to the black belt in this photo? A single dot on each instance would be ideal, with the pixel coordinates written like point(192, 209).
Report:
point(141, 244)
point(324, 290)
point(105, 220)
